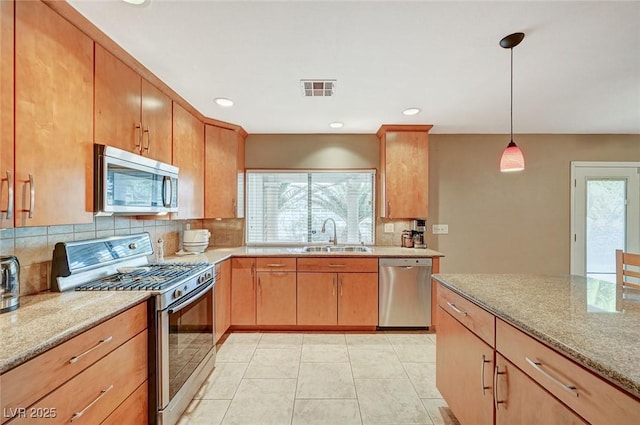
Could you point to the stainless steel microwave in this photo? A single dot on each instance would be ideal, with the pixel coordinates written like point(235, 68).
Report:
point(130, 184)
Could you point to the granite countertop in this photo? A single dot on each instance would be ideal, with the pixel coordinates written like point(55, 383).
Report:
point(590, 321)
point(215, 255)
point(45, 320)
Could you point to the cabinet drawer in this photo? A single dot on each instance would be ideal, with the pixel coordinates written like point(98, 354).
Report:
point(593, 398)
point(133, 411)
point(279, 264)
point(338, 264)
point(475, 318)
point(32, 380)
point(92, 395)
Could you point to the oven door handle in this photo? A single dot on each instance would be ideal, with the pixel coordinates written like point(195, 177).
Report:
point(191, 300)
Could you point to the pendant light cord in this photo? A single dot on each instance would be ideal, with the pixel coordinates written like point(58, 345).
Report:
point(511, 49)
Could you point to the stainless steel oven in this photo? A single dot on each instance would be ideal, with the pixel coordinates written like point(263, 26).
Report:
point(187, 351)
point(181, 328)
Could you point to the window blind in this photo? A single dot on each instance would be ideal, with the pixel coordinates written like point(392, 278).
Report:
point(290, 207)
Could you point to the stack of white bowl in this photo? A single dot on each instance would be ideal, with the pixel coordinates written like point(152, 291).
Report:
point(195, 240)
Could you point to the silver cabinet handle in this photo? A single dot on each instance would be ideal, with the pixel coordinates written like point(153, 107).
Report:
point(456, 309)
point(538, 366)
point(139, 144)
point(482, 384)
point(9, 209)
point(336, 265)
point(99, 344)
point(389, 209)
point(83, 411)
point(234, 208)
point(148, 148)
point(260, 288)
point(275, 265)
point(341, 286)
point(497, 372)
point(32, 195)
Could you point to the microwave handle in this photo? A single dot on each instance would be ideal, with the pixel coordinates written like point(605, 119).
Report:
point(167, 195)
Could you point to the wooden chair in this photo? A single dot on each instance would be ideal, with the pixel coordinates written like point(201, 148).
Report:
point(627, 269)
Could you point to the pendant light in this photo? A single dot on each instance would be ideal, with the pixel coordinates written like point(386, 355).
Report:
point(512, 158)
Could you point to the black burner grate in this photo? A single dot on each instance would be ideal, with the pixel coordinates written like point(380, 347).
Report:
point(151, 277)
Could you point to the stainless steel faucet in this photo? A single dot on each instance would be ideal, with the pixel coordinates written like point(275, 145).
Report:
point(324, 228)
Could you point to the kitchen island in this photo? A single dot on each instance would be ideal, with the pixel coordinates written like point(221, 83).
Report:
point(575, 337)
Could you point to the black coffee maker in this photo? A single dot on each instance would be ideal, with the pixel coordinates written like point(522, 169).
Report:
point(419, 227)
point(10, 283)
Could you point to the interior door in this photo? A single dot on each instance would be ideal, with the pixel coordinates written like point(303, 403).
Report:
point(605, 216)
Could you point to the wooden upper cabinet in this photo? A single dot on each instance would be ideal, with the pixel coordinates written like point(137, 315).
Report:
point(404, 171)
point(53, 119)
point(130, 113)
point(224, 185)
point(6, 114)
point(188, 156)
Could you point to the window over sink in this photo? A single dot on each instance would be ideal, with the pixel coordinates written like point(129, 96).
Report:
point(289, 207)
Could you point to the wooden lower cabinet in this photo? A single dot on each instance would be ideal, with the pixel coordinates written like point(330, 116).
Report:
point(243, 291)
point(222, 300)
point(317, 299)
point(133, 411)
point(276, 298)
point(522, 402)
point(464, 371)
point(357, 299)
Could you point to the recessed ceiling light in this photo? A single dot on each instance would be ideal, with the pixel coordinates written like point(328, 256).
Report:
point(137, 2)
point(411, 111)
point(223, 101)
point(336, 125)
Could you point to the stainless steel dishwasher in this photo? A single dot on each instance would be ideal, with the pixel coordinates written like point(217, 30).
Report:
point(404, 292)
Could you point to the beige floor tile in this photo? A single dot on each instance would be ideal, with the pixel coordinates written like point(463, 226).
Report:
point(324, 353)
point(280, 340)
point(262, 402)
point(369, 364)
point(326, 412)
point(390, 401)
point(243, 338)
point(205, 412)
point(416, 353)
point(324, 339)
point(274, 363)
point(367, 339)
point(235, 353)
point(439, 412)
point(423, 377)
point(223, 381)
point(409, 338)
point(325, 380)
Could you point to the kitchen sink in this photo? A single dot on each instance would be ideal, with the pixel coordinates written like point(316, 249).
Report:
point(334, 248)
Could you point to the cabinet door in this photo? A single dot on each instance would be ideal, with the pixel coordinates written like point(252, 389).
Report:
point(317, 302)
point(405, 186)
point(464, 365)
point(6, 111)
point(156, 123)
point(358, 299)
point(222, 298)
point(53, 119)
point(117, 103)
point(221, 184)
point(243, 291)
point(276, 298)
point(240, 176)
point(522, 401)
point(188, 155)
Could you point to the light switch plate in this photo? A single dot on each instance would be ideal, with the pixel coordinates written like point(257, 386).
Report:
point(388, 228)
point(440, 229)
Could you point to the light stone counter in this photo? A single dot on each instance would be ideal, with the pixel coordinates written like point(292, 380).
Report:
point(215, 255)
point(45, 320)
point(590, 321)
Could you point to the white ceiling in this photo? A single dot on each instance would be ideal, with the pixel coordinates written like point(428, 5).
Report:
point(577, 70)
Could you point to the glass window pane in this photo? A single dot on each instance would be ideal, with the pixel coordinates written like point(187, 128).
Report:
point(606, 226)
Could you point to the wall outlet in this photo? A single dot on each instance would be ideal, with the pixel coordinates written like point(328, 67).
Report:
point(440, 229)
point(388, 227)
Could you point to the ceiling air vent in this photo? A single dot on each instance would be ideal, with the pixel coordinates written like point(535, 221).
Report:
point(318, 88)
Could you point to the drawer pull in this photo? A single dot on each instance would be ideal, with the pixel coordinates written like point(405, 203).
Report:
point(456, 309)
point(275, 265)
point(77, 415)
point(102, 342)
point(538, 366)
point(482, 384)
point(336, 265)
point(497, 372)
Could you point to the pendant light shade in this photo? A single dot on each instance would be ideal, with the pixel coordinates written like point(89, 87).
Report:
point(512, 158)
